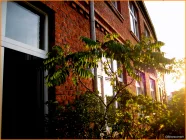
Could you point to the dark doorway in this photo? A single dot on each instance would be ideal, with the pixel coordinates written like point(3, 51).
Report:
point(23, 91)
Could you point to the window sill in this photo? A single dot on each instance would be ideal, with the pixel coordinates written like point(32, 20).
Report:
point(116, 12)
point(135, 37)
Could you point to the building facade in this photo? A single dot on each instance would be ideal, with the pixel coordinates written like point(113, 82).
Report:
point(30, 29)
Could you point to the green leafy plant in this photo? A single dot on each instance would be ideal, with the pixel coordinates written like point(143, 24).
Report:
point(175, 124)
point(81, 119)
point(144, 56)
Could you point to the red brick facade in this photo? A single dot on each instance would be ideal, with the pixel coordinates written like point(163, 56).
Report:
point(72, 21)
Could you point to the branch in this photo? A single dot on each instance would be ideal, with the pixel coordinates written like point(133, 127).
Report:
point(107, 106)
point(109, 66)
point(119, 92)
point(105, 66)
point(92, 92)
point(105, 114)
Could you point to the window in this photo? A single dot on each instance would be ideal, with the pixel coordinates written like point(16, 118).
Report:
point(133, 19)
point(141, 85)
point(24, 25)
point(106, 88)
point(24, 44)
point(115, 66)
point(21, 73)
point(116, 8)
point(152, 89)
point(115, 3)
point(24, 28)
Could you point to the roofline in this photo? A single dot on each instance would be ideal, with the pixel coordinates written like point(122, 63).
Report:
point(146, 14)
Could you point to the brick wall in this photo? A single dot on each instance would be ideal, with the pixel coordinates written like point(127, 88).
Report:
point(69, 26)
point(72, 21)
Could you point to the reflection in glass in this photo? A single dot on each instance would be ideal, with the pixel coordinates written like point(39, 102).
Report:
point(22, 25)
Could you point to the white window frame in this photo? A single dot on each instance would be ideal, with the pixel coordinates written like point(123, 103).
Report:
point(22, 47)
point(1, 82)
point(134, 19)
point(19, 46)
point(101, 86)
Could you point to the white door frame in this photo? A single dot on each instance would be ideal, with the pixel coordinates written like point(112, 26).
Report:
point(6, 42)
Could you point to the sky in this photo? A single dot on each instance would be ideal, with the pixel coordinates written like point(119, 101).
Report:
point(168, 18)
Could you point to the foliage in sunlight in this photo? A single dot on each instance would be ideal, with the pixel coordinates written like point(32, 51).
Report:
point(136, 117)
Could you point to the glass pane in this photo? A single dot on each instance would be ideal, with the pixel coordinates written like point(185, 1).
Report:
point(108, 90)
point(138, 90)
point(152, 84)
point(136, 29)
point(153, 95)
point(131, 7)
point(131, 23)
point(115, 4)
point(137, 84)
point(22, 24)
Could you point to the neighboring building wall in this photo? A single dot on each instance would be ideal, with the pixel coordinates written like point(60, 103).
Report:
point(72, 21)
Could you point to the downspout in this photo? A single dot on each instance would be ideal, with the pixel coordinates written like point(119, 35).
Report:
point(93, 37)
